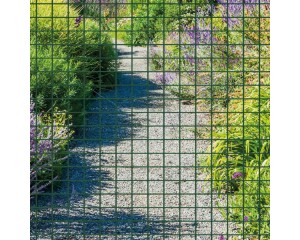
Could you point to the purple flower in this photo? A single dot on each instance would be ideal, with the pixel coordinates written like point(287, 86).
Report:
point(234, 8)
point(190, 59)
point(221, 237)
point(42, 149)
point(166, 78)
point(237, 175)
point(200, 33)
point(78, 21)
point(45, 146)
point(246, 218)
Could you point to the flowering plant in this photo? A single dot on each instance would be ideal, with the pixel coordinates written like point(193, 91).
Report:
point(209, 45)
point(48, 137)
point(216, 58)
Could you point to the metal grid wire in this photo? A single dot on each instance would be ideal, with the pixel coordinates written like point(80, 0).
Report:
point(150, 119)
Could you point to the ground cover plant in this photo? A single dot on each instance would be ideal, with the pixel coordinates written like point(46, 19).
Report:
point(222, 63)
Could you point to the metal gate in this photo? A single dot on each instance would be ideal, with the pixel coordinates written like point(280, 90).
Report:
point(150, 119)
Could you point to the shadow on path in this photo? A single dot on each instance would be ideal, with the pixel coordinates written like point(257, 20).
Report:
point(109, 119)
point(79, 223)
point(63, 214)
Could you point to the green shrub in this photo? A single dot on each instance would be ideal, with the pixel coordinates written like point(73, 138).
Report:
point(98, 9)
point(54, 83)
point(142, 27)
point(57, 23)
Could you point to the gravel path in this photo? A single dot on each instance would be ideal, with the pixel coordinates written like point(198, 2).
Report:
point(132, 174)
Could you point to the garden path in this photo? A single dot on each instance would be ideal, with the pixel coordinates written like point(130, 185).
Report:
point(136, 155)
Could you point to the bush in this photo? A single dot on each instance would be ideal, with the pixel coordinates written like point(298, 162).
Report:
point(54, 83)
point(61, 25)
point(143, 27)
point(49, 136)
point(99, 8)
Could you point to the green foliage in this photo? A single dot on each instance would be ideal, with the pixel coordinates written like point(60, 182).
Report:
point(244, 148)
point(49, 136)
point(256, 201)
point(83, 42)
point(230, 63)
point(54, 82)
point(143, 26)
point(240, 138)
point(152, 21)
point(70, 57)
point(59, 121)
point(246, 135)
point(99, 9)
